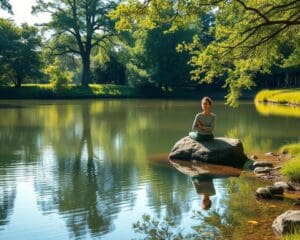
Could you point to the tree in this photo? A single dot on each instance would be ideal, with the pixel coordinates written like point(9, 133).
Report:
point(4, 4)
point(154, 60)
point(19, 52)
point(78, 26)
point(249, 36)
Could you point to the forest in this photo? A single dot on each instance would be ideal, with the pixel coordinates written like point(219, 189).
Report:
point(155, 45)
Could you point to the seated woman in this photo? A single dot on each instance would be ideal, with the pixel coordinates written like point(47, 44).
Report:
point(204, 122)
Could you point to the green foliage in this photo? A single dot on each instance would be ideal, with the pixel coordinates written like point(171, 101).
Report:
point(291, 168)
point(292, 236)
point(292, 148)
point(249, 36)
point(154, 229)
point(153, 59)
point(107, 66)
point(19, 50)
point(4, 4)
point(78, 27)
point(291, 96)
point(59, 77)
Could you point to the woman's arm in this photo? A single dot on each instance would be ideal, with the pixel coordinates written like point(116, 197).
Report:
point(196, 124)
point(210, 127)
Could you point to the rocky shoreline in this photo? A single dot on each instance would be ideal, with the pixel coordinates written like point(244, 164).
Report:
point(266, 167)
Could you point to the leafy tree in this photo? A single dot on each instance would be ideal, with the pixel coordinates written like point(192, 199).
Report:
point(78, 26)
point(19, 52)
point(249, 36)
point(4, 4)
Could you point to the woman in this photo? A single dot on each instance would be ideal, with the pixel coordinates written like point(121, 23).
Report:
point(204, 122)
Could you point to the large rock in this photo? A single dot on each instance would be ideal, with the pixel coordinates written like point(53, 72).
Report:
point(287, 222)
point(223, 151)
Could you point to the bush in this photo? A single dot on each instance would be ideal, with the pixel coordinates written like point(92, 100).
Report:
point(291, 168)
point(60, 79)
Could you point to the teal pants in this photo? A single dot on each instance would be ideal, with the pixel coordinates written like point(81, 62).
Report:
point(201, 137)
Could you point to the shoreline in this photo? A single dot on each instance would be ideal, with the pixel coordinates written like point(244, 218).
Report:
point(105, 91)
point(284, 97)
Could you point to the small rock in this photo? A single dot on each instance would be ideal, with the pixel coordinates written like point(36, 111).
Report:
point(262, 170)
point(297, 203)
point(262, 164)
point(277, 168)
point(269, 154)
point(284, 185)
point(296, 186)
point(275, 190)
point(288, 222)
point(263, 193)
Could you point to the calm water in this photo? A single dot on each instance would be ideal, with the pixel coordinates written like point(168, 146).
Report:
point(90, 169)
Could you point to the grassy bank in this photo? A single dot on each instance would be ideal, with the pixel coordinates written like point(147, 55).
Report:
point(291, 168)
point(46, 91)
point(282, 96)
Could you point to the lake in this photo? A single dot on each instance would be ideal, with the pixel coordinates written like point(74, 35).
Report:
point(90, 169)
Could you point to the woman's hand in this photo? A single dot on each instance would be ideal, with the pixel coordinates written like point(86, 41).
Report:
point(199, 124)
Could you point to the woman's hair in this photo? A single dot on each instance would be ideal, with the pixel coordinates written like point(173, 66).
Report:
point(207, 99)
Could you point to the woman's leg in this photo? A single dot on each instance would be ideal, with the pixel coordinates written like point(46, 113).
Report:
point(193, 135)
point(200, 137)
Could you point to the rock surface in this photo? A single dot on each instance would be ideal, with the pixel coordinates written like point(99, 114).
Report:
point(223, 151)
point(284, 185)
point(287, 222)
point(258, 170)
point(263, 193)
point(262, 164)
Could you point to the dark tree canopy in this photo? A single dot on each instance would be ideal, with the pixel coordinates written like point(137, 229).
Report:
point(19, 53)
point(4, 4)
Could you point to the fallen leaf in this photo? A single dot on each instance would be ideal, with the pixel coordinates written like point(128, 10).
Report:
point(253, 222)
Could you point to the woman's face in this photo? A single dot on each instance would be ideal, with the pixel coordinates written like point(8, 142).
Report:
point(206, 105)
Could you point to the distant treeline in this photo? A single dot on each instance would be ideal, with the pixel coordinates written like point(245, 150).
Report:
point(107, 42)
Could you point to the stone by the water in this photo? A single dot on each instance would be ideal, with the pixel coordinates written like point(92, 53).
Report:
point(262, 164)
point(284, 185)
point(258, 170)
point(263, 193)
point(276, 189)
point(221, 150)
point(287, 222)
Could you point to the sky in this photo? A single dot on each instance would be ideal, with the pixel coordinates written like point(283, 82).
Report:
point(22, 12)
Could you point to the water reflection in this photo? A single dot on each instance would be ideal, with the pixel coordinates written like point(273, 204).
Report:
point(87, 164)
point(204, 186)
point(202, 176)
point(277, 110)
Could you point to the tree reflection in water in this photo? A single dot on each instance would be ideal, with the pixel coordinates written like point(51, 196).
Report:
point(89, 162)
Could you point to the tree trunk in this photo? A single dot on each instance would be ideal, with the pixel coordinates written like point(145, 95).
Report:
point(18, 82)
point(86, 72)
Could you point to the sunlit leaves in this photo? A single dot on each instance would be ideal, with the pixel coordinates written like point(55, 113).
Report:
point(249, 36)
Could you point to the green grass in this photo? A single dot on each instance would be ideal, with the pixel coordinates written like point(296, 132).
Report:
point(292, 236)
point(291, 168)
point(283, 96)
point(46, 91)
point(292, 148)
